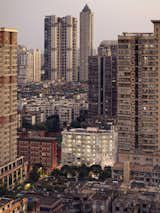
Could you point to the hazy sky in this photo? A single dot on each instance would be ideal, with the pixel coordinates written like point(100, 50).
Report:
point(111, 17)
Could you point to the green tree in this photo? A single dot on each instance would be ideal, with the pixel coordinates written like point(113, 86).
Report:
point(52, 123)
point(75, 124)
point(83, 172)
point(106, 173)
point(56, 173)
point(36, 172)
point(68, 171)
point(96, 169)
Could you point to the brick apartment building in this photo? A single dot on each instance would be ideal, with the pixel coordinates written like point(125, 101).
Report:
point(38, 149)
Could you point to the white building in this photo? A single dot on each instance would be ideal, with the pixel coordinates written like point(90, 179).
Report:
point(41, 108)
point(89, 146)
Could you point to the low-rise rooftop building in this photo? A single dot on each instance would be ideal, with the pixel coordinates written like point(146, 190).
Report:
point(8, 205)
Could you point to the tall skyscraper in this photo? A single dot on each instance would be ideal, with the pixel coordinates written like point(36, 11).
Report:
point(138, 104)
point(102, 94)
point(138, 92)
point(8, 104)
point(29, 65)
point(37, 65)
point(60, 56)
point(8, 109)
point(86, 41)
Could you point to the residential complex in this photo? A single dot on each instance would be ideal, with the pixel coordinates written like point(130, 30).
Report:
point(138, 92)
point(60, 56)
point(38, 149)
point(86, 41)
point(29, 65)
point(98, 196)
point(102, 72)
point(12, 170)
point(138, 104)
point(37, 110)
point(8, 88)
point(89, 146)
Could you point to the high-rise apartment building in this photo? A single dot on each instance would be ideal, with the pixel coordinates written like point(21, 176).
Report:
point(29, 65)
point(86, 41)
point(8, 109)
point(138, 92)
point(102, 95)
point(8, 94)
point(60, 56)
point(138, 105)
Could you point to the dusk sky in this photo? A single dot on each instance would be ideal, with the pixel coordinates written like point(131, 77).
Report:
point(110, 17)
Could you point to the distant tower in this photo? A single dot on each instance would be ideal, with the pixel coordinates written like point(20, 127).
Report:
point(102, 81)
point(29, 65)
point(60, 56)
point(86, 41)
point(36, 65)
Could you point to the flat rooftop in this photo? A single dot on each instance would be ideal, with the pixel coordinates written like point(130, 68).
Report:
point(87, 130)
point(37, 139)
point(155, 21)
point(3, 29)
point(137, 34)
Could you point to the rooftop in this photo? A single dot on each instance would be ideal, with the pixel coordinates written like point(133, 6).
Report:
point(3, 29)
point(87, 130)
point(137, 34)
point(38, 139)
point(155, 21)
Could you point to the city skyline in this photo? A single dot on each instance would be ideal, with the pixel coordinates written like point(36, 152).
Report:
point(131, 17)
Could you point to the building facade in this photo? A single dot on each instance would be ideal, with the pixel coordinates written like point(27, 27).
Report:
point(8, 94)
point(13, 205)
point(37, 63)
point(138, 105)
point(9, 164)
point(60, 57)
point(138, 92)
point(86, 41)
point(102, 95)
point(89, 146)
point(38, 150)
point(29, 65)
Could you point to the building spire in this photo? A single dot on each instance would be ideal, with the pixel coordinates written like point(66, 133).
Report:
point(86, 8)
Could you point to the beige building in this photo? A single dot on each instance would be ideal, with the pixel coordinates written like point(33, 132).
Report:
point(29, 65)
point(8, 107)
point(60, 57)
point(139, 92)
point(89, 146)
point(138, 105)
point(86, 41)
point(8, 94)
point(36, 65)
